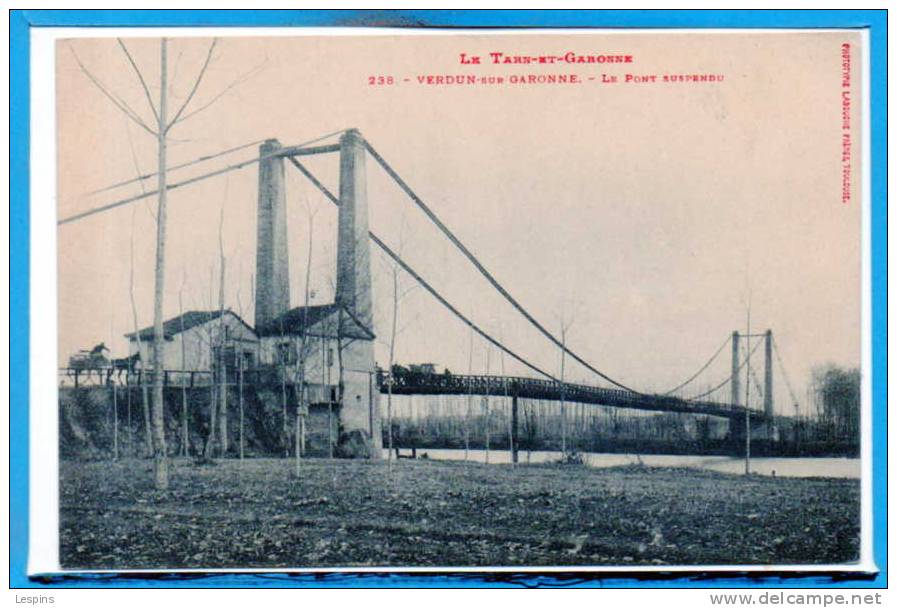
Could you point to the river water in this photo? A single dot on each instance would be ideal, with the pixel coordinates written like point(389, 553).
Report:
point(845, 468)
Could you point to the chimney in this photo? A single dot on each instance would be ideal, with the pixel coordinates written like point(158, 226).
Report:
point(272, 266)
point(353, 261)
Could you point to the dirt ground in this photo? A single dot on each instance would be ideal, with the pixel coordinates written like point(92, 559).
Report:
point(426, 513)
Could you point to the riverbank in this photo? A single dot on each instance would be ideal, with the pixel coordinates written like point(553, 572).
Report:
point(844, 468)
point(429, 513)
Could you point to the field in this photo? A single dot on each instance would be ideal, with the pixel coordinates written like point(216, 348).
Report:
point(425, 513)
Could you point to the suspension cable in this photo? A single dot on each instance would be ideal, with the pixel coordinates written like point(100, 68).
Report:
point(705, 366)
point(728, 379)
point(775, 348)
point(470, 256)
point(186, 182)
point(141, 178)
point(760, 390)
point(423, 283)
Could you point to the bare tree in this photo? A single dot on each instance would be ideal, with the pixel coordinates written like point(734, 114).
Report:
point(397, 295)
point(507, 402)
point(208, 451)
point(114, 395)
point(565, 324)
point(240, 369)
point(185, 427)
point(469, 396)
point(529, 416)
point(392, 361)
point(344, 338)
point(142, 374)
point(222, 340)
point(283, 355)
point(161, 126)
point(325, 382)
point(486, 411)
point(141, 378)
point(160, 459)
point(304, 348)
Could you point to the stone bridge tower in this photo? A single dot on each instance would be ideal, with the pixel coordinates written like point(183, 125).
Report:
point(360, 409)
point(360, 403)
point(272, 264)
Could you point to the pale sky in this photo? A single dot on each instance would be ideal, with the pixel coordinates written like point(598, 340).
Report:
point(650, 213)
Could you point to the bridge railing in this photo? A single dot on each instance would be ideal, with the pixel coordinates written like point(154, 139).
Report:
point(534, 388)
point(108, 376)
point(409, 382)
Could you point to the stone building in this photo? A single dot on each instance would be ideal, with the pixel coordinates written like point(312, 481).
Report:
point(338, 332)
point(193, 341)
point(314, 350)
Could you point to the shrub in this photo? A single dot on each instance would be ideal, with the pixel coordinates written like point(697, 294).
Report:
point(573, 457)
point(354, 444)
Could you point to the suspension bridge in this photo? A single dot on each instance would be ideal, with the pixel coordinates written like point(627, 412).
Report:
point(353, 294)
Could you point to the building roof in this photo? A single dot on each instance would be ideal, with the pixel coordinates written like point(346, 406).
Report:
point(316, 320)
point(188, 320)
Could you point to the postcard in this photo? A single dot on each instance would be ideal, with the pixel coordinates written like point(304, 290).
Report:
point(381, 300)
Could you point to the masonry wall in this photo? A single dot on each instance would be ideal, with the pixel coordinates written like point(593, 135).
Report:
point(197, 345)
point(360, 407)
point(321, 361)
point(361, 401)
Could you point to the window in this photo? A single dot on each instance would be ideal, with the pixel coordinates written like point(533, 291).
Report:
point(286, 354)
point(231, 358)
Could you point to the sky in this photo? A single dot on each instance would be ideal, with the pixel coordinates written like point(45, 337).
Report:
point(648, 217)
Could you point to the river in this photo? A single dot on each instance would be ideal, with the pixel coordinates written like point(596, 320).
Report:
point(845, 468)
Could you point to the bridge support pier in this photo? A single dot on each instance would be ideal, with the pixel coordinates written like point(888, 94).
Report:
point(735, 382)
point(767, 388)
point(760, 429)
point(737, 429)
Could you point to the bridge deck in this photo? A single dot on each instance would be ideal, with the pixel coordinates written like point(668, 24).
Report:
point(411, 383)
point(415, 383)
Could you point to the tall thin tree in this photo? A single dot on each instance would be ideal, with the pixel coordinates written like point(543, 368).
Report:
point(141, 376)
point(747, 395)
point(469, 408)
point(565, 324)
point(487, 418)
point(504, 383)
point(304, 349)
point(398, 294)
point(185, 428)
point(209, 450)
point(241, 368)
point(222, 340)
point(160, 132)
point(114, 397)
point(392, 362)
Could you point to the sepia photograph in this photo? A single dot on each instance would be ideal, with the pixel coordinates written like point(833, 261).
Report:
point(459, 300)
